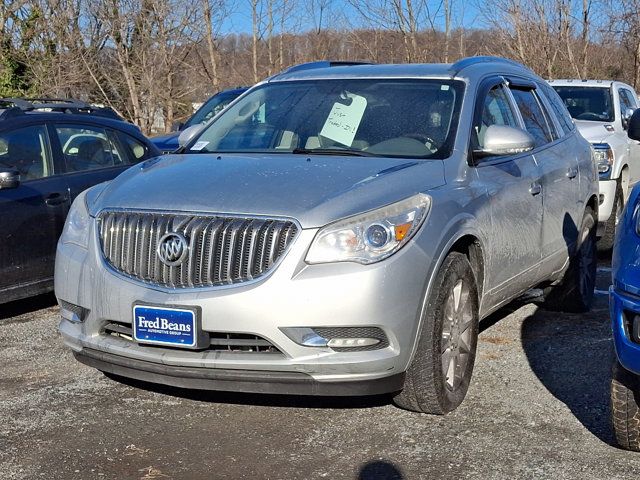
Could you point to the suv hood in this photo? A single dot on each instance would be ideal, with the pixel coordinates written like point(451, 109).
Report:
point(594, 132)
point(315, 190)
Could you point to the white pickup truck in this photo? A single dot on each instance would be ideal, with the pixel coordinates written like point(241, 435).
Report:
point(601, 110)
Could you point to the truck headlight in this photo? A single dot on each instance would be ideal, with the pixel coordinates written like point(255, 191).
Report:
point(603, 158)
point(372, 236)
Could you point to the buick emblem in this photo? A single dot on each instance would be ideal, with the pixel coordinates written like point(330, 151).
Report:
point(172, 249)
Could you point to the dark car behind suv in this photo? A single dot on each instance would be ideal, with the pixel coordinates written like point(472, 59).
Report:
point(50, 151)
point(209, 109)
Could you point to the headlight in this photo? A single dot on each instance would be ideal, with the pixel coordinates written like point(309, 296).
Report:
point(372, 236)
point(603, 158)
point(76, 228)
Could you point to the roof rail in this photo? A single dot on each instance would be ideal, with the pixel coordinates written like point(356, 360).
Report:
point(60, 105)
point(467, 62)
point(7, 111)
point(321, 64)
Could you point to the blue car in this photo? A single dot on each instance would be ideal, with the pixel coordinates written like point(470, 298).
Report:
point(210, 108)
point(624, 302)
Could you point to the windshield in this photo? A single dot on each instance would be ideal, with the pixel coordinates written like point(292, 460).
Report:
point(373, 117)
point(588, 103)
point(211, 108)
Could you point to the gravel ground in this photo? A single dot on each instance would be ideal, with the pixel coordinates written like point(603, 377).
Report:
point(537, 408)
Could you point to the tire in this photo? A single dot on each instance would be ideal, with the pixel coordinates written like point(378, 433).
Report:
point(574, 293)
point(449, 325)
point(605, 244)
point(625, 412)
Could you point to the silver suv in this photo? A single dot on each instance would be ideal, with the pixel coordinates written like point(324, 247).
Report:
point(338, 230)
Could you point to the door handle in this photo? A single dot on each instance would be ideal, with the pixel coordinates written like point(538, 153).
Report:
point(535, 188)
point(572, 172)
point(55, 199)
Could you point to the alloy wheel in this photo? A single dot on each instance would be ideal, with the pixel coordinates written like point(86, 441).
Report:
point(456, 335)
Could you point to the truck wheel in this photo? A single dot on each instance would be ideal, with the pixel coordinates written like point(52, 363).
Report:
point(438, 377)
point(574, 293)
point(625, 412)
point(605, 243)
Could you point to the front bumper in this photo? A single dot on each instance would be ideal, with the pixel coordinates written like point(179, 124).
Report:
point(623, 306)
point(607, 190)
point(245, 381)
point(387, 295)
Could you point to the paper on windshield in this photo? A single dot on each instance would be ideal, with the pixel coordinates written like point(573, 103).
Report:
point(343, 120)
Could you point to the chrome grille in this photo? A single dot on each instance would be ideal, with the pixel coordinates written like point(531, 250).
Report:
point(222, 250)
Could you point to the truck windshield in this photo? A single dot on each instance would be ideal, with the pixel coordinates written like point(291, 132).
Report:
point(587, 103)
point(372, 117)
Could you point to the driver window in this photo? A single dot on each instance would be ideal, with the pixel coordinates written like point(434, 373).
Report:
point(496, 110)
point(25, 149)
point(626, 100)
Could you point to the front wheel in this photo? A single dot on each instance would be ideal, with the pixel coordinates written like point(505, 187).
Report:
point(625, 411)
point(575, 292)
point(438, 377)
point(605, 243)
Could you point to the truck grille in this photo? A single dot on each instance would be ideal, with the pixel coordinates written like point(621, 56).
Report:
point(222, 250)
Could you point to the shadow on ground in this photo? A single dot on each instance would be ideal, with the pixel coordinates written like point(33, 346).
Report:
point(262, 400)
point(27, 305)
point(380, 470)
point(571, 355)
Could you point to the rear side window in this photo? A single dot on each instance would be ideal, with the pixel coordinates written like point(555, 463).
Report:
point(533, 116)
point(561, 112)
point(136, 150)
point(88, 148)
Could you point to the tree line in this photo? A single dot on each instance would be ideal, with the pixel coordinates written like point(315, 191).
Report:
point(150, 59)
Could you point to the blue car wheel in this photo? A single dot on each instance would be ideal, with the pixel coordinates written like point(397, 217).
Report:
point(625, 412)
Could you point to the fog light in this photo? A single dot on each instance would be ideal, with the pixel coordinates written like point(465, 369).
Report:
point(71, 312)
point(352, 342)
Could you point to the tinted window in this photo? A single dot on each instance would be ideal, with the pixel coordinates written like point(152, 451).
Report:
point(626, 100)
point(88, 148)
point(136, 149)
point(587, 103)
point(534, 119)
point(559, 109)
point(25, 149)
point(633, 100)
point(379, 117)
point(496, 110)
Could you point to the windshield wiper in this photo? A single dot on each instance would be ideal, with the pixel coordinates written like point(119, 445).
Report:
point(331, 151)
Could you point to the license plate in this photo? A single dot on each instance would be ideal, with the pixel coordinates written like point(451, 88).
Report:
point(164, 326)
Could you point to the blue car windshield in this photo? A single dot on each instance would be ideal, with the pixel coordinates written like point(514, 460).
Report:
point(372, 117)
point(211, 108)
point(588, 103)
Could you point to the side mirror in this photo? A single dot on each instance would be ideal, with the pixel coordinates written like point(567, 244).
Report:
point(177, 126)
point(9, 179)
point(502, 140)
point(633, 127)
point(187, 134)
point(626, 116)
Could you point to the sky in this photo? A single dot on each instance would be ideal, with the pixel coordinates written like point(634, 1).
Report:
point(465, 14)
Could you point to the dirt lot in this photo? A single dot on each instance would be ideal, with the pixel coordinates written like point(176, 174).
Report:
point(537, 408)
